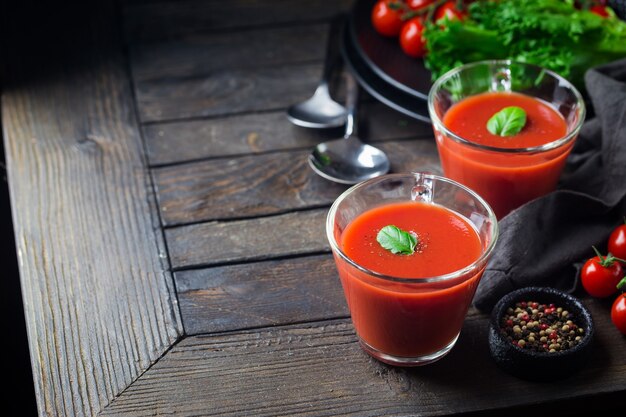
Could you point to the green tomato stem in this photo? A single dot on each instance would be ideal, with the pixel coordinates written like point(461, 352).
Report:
point(608, 260)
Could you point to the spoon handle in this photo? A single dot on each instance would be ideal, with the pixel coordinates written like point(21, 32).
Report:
point(352, 96)
point(332, 50)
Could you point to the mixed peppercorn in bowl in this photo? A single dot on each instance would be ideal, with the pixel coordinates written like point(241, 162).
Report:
point(540, 333)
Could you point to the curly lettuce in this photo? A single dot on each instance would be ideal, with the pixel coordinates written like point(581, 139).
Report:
point(550, 33)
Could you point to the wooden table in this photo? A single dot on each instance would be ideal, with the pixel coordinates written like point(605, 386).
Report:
point(171, 235)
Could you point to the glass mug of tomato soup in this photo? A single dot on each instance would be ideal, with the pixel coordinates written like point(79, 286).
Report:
point(505, 129)
point(410, 250)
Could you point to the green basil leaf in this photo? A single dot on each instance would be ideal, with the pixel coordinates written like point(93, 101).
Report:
point(397, 240)
point(507, 122)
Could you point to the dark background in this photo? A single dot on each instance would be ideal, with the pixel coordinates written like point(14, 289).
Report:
point(20, 393)
point(18, 388)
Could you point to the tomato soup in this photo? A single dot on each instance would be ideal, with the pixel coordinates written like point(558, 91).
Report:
point(505, 179)
point(410, 317)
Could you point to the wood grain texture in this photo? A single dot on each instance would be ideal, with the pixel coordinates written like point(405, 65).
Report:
point(241, 187)
point(264, 184)
point(160, 20)
point(177, 142)
point(220, 73)
point(319, 370)
point(296, 233)
point(260, 294)
point(99, 300)
point(204, 54)
point(225, 91)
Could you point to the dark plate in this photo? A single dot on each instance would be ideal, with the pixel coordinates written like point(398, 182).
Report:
point(396, 98)
point(384, 57)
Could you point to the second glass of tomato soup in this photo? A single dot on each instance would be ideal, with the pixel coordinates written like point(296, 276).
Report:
point(505, 129)
point(410, 250)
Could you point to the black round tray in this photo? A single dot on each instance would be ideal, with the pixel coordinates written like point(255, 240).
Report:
point(397, 98)
point(384, 56)
point(380, 66)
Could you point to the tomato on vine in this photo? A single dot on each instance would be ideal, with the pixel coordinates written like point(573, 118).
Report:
point(617, 241)
point(419, 4)
point(412, 38)
point(599, 10)
point(618, 311)
point(450, 10)
point(601, 274)
point(387, 18)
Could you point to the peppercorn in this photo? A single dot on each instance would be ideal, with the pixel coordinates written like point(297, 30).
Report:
point(538, 327)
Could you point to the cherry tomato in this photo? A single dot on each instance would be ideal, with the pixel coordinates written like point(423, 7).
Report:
point(600, 275)
point(599, 10)
point(386, 20)
point(618, 313)
point(617, 242)
point(411, 38)
point(418, 4)
point(449, 10)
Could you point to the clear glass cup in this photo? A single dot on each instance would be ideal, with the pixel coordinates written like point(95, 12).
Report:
point(505, 177)
point(409, 321)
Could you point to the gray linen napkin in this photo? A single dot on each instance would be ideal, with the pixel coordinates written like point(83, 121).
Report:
point(541, 242)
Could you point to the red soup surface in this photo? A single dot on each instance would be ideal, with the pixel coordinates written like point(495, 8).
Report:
point(505, 180)
point(417, 318)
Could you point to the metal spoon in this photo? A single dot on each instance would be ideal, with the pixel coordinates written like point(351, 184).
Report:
point(321, 111)
point(348, 160)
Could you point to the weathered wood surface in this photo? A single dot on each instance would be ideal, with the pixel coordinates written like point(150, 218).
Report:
point(205, 54)
point(296, 233)
point(99, 300)
point(285, 291)
point(318, 369)
point(255, 71)
point(150, 22)
point(264, 184)
point(218, 73)
point(226, 91)
point(240, 213)
point(255, 133)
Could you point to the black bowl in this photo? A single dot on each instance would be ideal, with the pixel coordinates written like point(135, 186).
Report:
point(540, 366)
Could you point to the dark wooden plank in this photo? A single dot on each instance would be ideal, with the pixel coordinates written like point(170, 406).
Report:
point(260, 294)
point(99, 300)
point(266, 132)
point(220, 73)
point(202, 55)
point(245, 240)
point(263, 184)
point(319, 369)
point(190, 77)
point(241, 187)
point(160, 20)
point(226, 91)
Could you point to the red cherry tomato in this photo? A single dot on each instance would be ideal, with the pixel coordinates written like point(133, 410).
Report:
point(418, 4)
point(599, 10)
point(449, 10)
point(617, 242)
point(600, 275)
point(411, 38)
point(618, 313)
point(386, 20)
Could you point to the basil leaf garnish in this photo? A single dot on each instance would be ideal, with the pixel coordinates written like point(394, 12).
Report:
point(507, 122)
point(397, 240)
